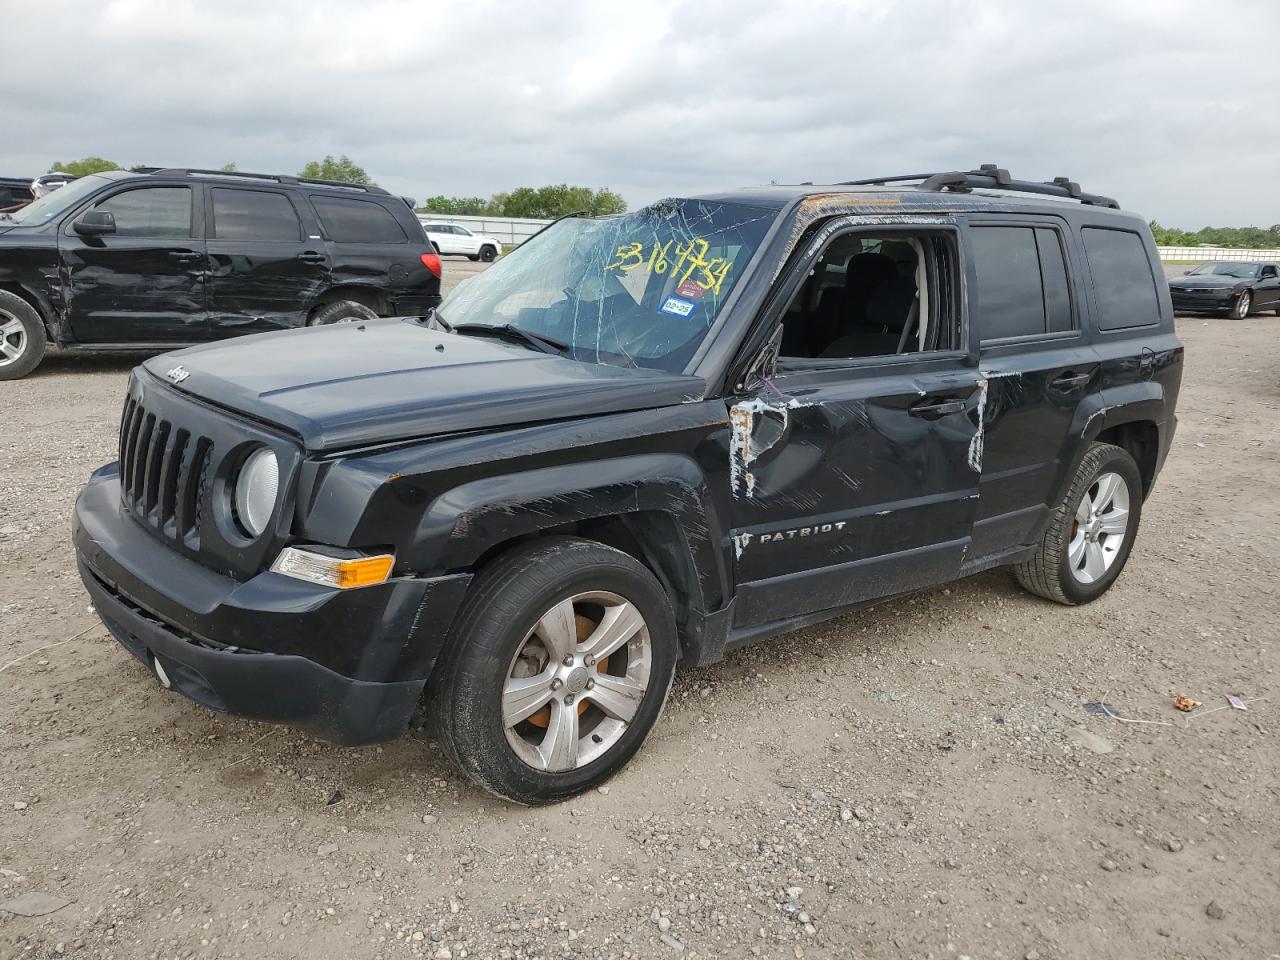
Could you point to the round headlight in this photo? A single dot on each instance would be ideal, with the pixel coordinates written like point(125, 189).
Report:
point(256, 490)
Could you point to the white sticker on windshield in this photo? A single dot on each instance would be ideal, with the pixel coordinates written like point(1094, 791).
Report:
point(677, 307)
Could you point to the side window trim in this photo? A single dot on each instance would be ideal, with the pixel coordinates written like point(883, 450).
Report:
point(1062, 229)
point(786, 289)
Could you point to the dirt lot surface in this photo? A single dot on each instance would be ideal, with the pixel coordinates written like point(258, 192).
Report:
point(919, 780)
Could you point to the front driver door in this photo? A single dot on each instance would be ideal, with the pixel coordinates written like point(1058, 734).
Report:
point(145, 282)
point(855, 478)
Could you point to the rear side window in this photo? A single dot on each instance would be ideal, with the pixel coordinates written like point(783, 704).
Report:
point(357, 221)
point(254, 215)
point(162, 213)
point(1122, 281)
point(1022, 287)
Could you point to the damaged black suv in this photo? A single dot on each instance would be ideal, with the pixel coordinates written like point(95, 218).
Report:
point(637, 441)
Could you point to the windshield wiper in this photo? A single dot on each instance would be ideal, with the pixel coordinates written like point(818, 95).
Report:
point(510, 331)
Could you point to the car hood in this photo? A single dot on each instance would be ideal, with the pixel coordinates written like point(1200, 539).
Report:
point(350, 385)
point(1207, 280)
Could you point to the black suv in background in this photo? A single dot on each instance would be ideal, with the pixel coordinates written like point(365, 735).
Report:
point(160, 258)
point(634, 441)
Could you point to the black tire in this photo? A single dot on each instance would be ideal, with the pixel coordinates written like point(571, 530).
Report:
point(488, 254)
point(1242, 306)
point(473, 257)
point(506, 601)
point(341, 311)
point(1048, 573)
point(24, 342)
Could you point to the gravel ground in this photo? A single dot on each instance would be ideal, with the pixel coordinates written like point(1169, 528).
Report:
point(919, 780)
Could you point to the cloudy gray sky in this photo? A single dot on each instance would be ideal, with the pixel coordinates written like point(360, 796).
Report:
point(1170, 106)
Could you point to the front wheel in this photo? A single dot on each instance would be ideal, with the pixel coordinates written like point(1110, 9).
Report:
point(488, 254)
point(1091, 532)
point(1243, 306)
point(22, 340)
point(557, 669)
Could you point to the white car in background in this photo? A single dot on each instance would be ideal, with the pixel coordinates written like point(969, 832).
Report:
point(451, 238)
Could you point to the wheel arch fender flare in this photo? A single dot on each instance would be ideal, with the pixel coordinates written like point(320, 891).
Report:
point(1113, 407)
point(39, 302)
point(462, 526)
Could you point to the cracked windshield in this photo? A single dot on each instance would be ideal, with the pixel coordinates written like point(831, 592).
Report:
point(640, 290)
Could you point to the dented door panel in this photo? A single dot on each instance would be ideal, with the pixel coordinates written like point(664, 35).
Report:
point(263, 285)
point(852, 483)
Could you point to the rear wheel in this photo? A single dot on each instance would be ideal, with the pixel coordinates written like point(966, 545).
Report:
point(342, 311)
point(1091, 532)
point(488, 253)
point(22, 340)
point(1243, 306)
point(559, 665)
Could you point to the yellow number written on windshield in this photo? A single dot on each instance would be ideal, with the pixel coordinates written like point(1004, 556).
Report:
point(690, 257)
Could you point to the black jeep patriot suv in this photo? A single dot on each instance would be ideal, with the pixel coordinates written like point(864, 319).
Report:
point(155, 259)
point(638, 440)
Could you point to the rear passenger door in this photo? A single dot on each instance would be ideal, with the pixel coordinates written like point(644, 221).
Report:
point(368, 246)
point(1036, 366)
point(265, 265)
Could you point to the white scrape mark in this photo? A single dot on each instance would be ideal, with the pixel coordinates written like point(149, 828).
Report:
point(740, 542)
point(742, 425)
point(975, 445)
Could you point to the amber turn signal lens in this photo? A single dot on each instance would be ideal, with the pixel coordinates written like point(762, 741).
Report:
point(361, 573)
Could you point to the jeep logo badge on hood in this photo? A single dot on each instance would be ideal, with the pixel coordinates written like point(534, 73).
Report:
point(178, 374)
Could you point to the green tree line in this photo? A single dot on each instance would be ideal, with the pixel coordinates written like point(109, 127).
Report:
point(538, 203)
point(1256, 237)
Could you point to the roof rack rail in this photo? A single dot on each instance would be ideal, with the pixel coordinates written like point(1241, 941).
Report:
point(240, 174)
point(990, 177)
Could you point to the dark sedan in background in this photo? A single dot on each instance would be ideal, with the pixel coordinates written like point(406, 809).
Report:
point(1231, 287)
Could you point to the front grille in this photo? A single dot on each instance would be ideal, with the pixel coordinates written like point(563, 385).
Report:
point(163, 473)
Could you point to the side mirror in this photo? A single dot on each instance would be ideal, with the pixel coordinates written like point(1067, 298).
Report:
point(95, 223)
point(1186, 273)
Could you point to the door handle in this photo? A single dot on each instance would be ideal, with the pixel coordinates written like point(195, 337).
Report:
point(185, 256)
point(931, 409)
point(1070, 379)
point(312, 257)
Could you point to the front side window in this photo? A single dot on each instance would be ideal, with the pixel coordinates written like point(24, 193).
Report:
point(1022, 288)
point(1122, 278)
point(254, 215)
point(874, 296)
point(640, 289)
point(158, 213)
point(357, 221)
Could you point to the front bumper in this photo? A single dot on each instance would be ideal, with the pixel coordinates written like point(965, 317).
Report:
point(1202, 302)
point(345, 665)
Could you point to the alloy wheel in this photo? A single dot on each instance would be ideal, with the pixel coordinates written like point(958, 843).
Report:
point(13, 338)
point(1101, 522)
point(576, 681)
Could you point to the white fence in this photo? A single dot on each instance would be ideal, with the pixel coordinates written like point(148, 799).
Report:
point(1216, 253)
point(510, 230)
